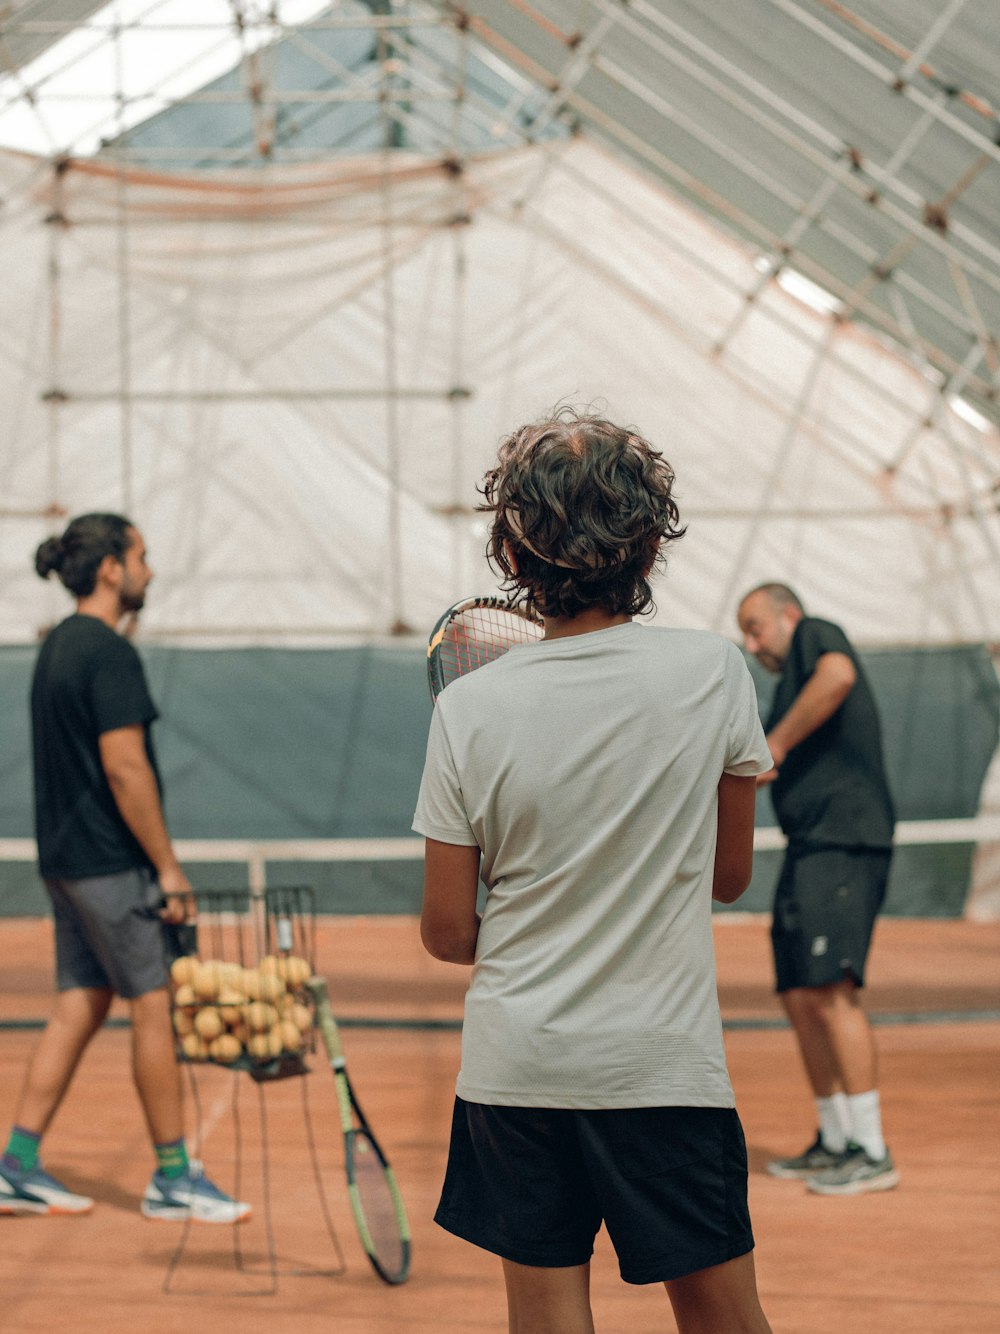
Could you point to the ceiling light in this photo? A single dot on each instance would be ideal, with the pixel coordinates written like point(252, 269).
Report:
point(809, 293)
point(961, 407)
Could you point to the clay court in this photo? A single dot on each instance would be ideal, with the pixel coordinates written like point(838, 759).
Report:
point(921, 1258)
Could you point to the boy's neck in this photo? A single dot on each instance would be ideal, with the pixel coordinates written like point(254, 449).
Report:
point(561, 627)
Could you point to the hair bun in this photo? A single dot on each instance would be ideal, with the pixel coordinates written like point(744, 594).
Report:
point(49, 556)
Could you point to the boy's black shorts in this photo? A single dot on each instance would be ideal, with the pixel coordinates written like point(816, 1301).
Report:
point(825, 906)
point(534, 1184)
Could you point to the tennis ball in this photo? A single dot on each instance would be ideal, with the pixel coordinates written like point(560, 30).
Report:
point(194, 1047)
point(289, 1035)
point(296, 971)
point(184, 997)
point(260, 1016)
point(301, 1017)
point(230, 975)
point(269, 966)
point(231, 1005)
point(183, 1023)
point(225, 1049)
point(250, 984)
point(208, 1023)
point(264, 1046)
point(206, 980)
point(182, 970)
point(271, 987)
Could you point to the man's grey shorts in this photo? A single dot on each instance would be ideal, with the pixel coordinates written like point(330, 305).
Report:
point(109, 933)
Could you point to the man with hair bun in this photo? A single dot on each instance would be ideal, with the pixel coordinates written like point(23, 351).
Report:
point(832, 800)
point(603, 779)
point(110, 872)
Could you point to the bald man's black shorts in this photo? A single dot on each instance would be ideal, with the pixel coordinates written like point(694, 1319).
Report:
point(825, 906)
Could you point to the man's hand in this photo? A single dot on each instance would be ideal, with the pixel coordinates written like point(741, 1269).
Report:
point(778, 753)
point(181, 905)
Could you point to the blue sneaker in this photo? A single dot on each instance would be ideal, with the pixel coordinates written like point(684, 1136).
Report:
point(192, 1196)
point(35, 1192)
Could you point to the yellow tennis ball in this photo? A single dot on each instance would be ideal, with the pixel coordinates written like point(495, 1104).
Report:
point(250, 984)
point(225, 1049)
point(271, 987)
point(230, 975)
point(182, 970)
point(296, 971)
point(301, 1017)
point(264, 1046)
point(194, 1047)
point(208, 1023)
point(206, 980)
point(260, 1016)
point(289, 1035)
point(269, 966)
point(184, 997)
point(231, 1006)
point(183, 1023)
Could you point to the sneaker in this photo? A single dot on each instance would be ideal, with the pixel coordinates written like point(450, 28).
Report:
point(857, 1173)
point(817, 1158)
point(35, 1192)
point(192, 1196)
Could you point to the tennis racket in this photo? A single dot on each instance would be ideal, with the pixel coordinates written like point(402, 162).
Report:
point(375, 1199)
point(474, 632)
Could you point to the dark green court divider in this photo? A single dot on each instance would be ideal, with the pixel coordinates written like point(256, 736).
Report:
point(284, 743)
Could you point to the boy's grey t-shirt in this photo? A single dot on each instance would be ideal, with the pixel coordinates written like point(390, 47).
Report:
point(587, 769)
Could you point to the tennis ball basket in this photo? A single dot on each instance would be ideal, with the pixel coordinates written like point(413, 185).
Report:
point(238, 982)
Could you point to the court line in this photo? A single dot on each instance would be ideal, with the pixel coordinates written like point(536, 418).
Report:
point(886, 1019)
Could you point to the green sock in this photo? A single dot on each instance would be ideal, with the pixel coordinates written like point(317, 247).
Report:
point(172, 1159)
point(23, 1148)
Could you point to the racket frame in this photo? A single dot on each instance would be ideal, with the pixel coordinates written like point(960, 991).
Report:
point(435, 675)
point(354, 1125)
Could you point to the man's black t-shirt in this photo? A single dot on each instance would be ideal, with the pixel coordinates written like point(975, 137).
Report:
point(831, 789)
point(88, 680)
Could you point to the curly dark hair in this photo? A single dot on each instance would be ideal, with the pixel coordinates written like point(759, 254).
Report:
point(585, 509)
point(77, 555)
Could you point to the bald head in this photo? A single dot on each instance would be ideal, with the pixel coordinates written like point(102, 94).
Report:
point(767, 617)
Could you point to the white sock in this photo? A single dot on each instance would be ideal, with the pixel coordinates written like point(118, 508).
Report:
point(834, 1121)
point(865, 1112)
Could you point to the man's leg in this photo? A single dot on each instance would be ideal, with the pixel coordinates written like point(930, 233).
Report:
point(78, 1014)
point(834, 1037)
point(24, 1187)
point(548, 1301)
point(154, 1066)
point(719, 1300)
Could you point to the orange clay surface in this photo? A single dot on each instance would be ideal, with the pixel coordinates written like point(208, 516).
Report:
point(921, 1259)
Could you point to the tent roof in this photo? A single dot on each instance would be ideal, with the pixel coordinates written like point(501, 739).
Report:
point(796, 200)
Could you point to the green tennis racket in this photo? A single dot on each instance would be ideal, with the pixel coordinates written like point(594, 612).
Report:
point(371, 1185)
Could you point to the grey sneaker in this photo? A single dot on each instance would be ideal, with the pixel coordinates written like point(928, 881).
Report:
point(35, 1192)
point(817, 1158)
point(857, 1173)
point(191, 1196)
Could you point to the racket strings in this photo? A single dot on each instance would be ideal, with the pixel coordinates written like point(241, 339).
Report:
point(379, 1204)
point(478, 635)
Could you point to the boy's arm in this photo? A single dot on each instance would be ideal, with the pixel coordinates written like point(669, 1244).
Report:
point(133, 786)
point(449, 923)
point(734, 844)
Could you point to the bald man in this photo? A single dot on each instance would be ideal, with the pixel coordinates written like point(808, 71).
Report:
point(832, 801)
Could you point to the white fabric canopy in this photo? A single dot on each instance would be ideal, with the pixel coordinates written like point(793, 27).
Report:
point(293, 378)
